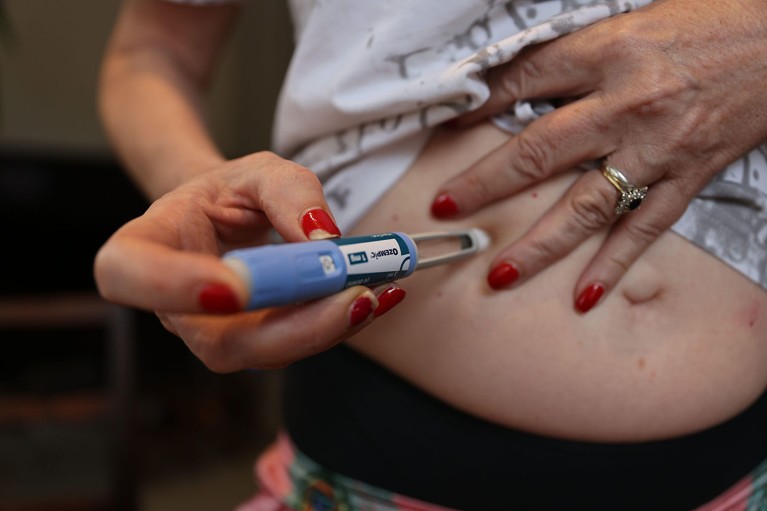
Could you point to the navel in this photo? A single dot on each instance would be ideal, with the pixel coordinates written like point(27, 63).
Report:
point(642, 289)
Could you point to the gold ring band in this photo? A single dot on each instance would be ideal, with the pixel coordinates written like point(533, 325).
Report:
point(631, 197)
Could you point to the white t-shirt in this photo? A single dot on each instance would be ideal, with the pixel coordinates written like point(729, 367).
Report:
point(370, 78)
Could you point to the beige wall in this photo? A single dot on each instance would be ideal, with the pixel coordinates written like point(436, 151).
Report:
point(244, 98)
point(48, 76)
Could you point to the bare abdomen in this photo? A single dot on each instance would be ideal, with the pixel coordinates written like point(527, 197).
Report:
point(680, 345)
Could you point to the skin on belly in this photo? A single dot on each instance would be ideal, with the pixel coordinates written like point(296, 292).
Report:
point(679, 346)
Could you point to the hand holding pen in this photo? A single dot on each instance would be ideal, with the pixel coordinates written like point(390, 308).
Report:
point(168, 261)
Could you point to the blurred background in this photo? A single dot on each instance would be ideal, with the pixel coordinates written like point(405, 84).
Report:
point(100, 408)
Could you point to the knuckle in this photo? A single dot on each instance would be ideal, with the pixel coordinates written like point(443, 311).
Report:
point(508, 84)
point(591, 211)
point(300, 176)
point(547, 249)
point(514, 81)
point(258, 160)
point(659, 89)
point(643, 233)
point(532, 157)
point(601, 123)
point(659, 81)
point(618, 262)
point(261, 157)
point(659, 95)
point(286, 169)
point(588, 213)
point(630, 37)
point(308, 178)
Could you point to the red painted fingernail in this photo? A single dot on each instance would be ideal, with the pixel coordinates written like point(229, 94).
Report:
point(317, 225)
point(388, 299)
point(444, 206)
point(218, 298)
point(361, 310)
point(589, 297)
point(502, 275)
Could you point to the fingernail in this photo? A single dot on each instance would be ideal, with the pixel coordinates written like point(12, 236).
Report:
point(362, 308)
point(589, 297)
point(444, 206)
point(388, 299)
point(502, 276)
point(318, 225)
point(218, 298)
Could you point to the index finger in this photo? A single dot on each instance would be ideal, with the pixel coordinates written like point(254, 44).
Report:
point(290, 195)
point(556, 142)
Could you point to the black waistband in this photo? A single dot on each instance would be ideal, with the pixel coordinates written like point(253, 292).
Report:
point(356, 418)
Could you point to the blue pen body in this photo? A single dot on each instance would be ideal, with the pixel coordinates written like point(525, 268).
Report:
point(296, 272)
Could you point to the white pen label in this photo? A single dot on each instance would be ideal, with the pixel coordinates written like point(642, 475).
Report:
point(374, 259)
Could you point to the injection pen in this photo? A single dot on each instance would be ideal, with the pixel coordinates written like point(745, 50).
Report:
point(289, 273)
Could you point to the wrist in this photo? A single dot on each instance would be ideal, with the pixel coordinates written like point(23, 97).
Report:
point(175, 172)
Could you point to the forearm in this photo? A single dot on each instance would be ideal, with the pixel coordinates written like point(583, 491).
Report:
point(151, 90)
point(155, 124)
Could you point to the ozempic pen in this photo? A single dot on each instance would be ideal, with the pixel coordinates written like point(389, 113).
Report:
point(289, 273)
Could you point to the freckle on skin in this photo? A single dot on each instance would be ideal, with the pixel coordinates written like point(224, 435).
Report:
point(395, 217)
point(534, 195)
point(641, 363)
